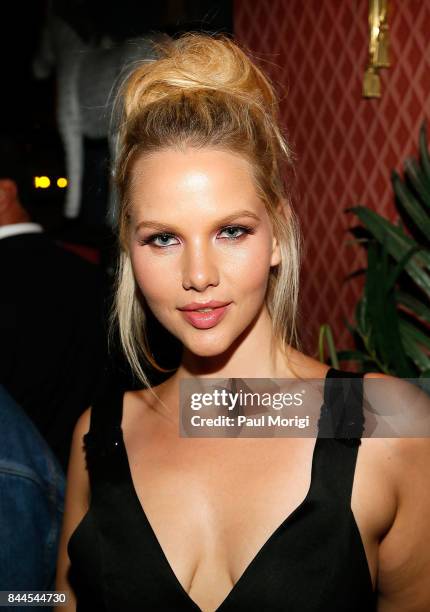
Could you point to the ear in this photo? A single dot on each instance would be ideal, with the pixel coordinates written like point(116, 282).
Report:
point(283, 208)
point(276, 253)
point(276, 258)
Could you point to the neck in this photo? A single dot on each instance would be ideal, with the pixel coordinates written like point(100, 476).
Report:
point(19, 216)
point(254, 354)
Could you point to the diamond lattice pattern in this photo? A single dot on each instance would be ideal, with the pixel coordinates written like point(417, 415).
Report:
point(346, 146)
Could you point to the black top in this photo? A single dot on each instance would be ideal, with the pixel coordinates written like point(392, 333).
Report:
point(314, 561)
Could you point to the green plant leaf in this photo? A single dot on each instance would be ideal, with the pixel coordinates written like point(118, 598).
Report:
point(418, 179)
point(326, 333)
point(398, 243)
point(353, 355)
point(383, 313)
point(414, 209)
point(415, 333)
point(388, 317)
point(419, 309)
point(351, 275)
point(360, 316)
point(398, 268)
point(411, 339)
point(349, 327)
point(424, 151)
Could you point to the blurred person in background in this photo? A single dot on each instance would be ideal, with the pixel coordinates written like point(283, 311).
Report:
point(31, 502)
point(52, 343)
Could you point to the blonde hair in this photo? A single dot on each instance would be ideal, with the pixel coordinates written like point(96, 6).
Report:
point(204, 91)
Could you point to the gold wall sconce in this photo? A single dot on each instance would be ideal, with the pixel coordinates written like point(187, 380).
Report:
point(379, 52)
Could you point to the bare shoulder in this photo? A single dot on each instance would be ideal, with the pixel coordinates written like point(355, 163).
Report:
point(146, 398)
point(410, 405)
point(82, 425)
point(404, 551)
point(304, 366)
point(77, 477)
point(141, 404)
point(77, 472)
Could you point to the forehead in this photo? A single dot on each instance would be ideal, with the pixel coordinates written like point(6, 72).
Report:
point(207, 176)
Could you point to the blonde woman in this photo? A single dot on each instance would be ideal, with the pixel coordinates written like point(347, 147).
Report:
point(209, 245)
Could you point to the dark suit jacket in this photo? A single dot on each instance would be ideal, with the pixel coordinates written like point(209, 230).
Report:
point(52, 336)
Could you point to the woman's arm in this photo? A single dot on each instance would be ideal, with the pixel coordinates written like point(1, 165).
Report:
point(75, 507)
point(404, 552)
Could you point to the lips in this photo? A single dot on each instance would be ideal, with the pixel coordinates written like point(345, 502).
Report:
point(205, 320)
point(200, 305)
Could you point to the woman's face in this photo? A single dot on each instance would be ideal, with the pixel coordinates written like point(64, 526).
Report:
point(199, 232)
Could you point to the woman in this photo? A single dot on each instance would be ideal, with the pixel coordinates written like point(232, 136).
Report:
point(177, 523)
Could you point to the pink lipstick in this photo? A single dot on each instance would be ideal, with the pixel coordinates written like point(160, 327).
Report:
point(205, 320)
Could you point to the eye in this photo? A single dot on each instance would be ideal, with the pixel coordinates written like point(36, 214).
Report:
point(161, 240)
point(233, 229)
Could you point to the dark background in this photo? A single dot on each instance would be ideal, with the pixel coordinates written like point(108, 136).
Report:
point(29, 141)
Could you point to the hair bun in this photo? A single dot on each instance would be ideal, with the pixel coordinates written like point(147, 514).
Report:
point(193, 62)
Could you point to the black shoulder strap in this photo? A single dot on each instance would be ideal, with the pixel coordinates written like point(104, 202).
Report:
point(106, 411)
point(103, 442)
point(340, 426)
point(342, 414)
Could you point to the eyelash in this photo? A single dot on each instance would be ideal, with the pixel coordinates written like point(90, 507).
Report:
point(151, 239)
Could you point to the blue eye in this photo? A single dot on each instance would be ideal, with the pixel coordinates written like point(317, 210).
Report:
point(161, 240)
point(235, 228)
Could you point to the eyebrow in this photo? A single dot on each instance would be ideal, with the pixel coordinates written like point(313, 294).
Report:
point(167, 226)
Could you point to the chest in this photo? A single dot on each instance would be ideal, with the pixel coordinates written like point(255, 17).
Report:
point(217, 506)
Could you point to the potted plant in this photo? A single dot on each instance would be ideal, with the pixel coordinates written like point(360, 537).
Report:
point(392, 318)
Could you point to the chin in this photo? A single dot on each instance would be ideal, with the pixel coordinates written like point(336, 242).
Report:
point(207, 343)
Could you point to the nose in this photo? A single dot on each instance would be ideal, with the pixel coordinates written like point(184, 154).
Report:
point(200, 269)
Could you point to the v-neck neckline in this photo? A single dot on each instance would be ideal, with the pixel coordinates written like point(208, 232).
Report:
point(255, 559)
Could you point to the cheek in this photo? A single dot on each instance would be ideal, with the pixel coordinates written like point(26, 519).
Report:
point(155, 277)
point(250, 267)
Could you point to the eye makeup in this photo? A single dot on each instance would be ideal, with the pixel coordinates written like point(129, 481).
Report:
point(160, 236)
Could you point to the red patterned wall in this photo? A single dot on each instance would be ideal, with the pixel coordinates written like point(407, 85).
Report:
point(346, 146)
